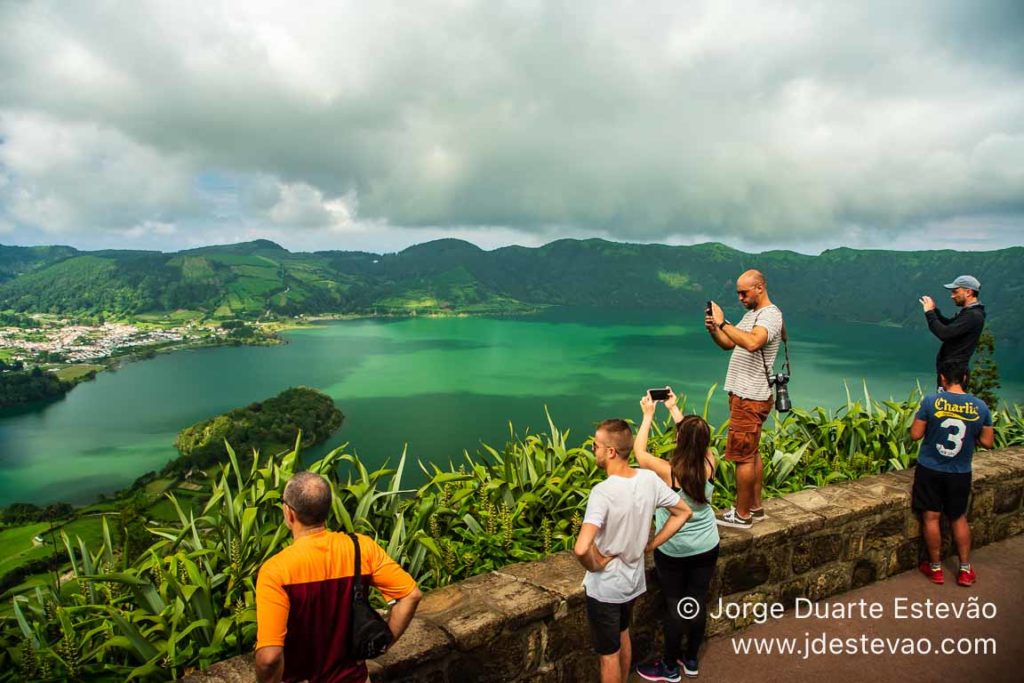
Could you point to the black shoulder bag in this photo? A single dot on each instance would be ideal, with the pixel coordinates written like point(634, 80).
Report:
point(369, 635)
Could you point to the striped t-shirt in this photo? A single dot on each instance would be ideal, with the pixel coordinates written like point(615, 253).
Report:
point(745, 376)
point(303, 598)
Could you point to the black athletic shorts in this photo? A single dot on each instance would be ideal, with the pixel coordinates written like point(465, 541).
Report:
point(946, 492)
point(607, 620)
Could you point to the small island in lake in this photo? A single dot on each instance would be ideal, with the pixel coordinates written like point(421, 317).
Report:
point(265, 426)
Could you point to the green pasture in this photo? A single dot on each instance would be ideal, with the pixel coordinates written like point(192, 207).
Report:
point(16, 546)
point(73, 373)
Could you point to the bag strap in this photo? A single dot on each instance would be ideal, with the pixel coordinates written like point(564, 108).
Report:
point(357, 576)
point(785, 348)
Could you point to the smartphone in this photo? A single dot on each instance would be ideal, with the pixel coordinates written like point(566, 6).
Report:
point(707, 308)
point(658, 394)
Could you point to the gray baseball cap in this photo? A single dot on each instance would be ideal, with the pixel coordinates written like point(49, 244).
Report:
point(965, 281)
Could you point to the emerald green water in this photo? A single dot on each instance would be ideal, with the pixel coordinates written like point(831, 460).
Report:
point(436, 385)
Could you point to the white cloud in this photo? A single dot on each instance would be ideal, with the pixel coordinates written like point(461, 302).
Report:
point(303, 206)
point(65, 177)
point(782, 124)
point(149, 228)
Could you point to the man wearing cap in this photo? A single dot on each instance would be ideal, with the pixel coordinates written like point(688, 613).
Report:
point(960, 333)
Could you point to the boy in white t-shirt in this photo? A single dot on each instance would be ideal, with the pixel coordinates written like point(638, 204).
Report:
point(613, 540)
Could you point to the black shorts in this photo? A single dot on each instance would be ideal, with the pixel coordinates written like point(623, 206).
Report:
point(607, 620)
point(946, 492)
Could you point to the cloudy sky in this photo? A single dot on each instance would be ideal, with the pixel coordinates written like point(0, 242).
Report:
point(376, 125)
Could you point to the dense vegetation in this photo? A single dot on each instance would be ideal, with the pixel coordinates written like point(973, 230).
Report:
point(20, 513)
point(8, 319)
point(254, 278)
point(28, 386)
point(261, 426)
point(189, 599)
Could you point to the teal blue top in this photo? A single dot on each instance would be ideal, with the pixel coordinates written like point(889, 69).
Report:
point(698, 535)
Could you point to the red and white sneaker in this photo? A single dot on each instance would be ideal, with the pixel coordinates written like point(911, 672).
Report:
point(934, 575)
point(967, 577)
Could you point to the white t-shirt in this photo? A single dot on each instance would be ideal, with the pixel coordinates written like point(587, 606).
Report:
point(622, 507)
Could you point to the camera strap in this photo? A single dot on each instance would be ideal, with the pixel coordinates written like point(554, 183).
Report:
point(785, 347)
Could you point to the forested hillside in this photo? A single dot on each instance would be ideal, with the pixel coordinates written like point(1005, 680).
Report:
point(256, 278)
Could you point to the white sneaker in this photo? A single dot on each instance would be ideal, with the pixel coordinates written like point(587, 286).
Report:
point(732, 518)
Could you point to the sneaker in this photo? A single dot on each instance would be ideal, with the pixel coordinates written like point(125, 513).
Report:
point(732, 518)
point(935, 576)
point(757, 515)
point(659, 671)
point(689, 667)
point(967, 578)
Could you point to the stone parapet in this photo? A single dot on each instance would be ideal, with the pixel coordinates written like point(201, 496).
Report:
point(527, 622)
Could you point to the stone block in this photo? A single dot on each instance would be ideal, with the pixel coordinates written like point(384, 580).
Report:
point(839, 504)
point(1013, 457)
point(904, 479)
point(241, 669)
point(560, 574)
point(744, 572)
point(467, 621)
point(422, 642)
point(987, 469)
point(1014, 524)
point(905, 556)
point(567, 636)
point(581, 667)
point(982, 502)
point(518, 600)
point(509, 656)
point(814, 551)
point(865, 571)
point(796, 520)
point(911, 525)
point(893, 493)
point(829, 581)
point(426, 673)
point(737, 612)
point(733, 541)
point(884, 532)
point(1007, 497)
point(890, 524)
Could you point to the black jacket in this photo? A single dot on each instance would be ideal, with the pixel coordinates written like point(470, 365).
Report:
point(959, 334)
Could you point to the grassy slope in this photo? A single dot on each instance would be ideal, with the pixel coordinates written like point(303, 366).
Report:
point(16, 546)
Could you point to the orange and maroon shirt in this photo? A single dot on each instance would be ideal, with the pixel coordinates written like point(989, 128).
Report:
point(303, 600)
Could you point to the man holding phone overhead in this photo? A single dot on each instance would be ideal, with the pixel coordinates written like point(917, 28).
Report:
point(754, 343)
point(959, 334)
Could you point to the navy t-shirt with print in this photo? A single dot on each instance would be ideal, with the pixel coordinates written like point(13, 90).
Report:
point(954, 421)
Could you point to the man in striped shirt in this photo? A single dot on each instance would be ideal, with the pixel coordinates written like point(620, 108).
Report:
point(754, 343)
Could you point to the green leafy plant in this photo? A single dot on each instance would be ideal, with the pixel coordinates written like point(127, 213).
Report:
point(188, 599)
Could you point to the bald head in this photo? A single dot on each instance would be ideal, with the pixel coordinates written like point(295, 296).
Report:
point(751, 278)
point(752, 290)
point(309, 497)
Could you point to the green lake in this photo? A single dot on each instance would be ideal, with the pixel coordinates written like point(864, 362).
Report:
point(437, 385)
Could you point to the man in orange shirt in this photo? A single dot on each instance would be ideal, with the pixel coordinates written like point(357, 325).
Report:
point(304, 593)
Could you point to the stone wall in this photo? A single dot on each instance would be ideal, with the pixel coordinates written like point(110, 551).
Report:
point(527, 622)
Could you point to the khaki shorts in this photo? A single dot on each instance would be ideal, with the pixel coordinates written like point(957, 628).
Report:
point(745, 419)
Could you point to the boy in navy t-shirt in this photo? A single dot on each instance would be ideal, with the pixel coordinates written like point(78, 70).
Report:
point(951, 423)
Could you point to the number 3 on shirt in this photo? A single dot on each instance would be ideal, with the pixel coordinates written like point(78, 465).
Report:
point(955, 436)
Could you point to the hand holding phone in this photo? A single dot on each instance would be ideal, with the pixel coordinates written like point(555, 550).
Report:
point(707, 308)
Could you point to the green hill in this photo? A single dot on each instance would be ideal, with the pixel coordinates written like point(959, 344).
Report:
point(255, 278)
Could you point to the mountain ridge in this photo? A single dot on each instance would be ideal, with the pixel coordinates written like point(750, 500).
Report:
point(250, 279)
